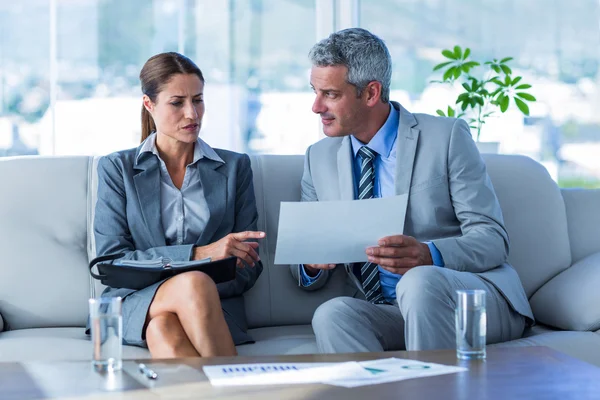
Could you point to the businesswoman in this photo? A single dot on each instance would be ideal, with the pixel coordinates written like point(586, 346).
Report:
point(174, 196)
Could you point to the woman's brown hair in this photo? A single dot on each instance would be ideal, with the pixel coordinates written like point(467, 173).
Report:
point(157, 72)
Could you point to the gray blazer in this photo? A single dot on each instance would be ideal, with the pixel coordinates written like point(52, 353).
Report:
point(451, 198)
point(128, 217)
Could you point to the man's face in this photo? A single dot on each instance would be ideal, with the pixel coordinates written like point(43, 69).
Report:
point(336, 101)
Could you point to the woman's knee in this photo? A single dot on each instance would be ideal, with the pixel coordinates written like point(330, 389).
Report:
point(164, 330)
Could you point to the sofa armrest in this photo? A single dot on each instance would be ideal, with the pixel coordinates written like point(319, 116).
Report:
point(570, 300)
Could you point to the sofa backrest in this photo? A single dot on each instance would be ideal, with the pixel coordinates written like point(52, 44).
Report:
point(46, 213)
point(535, 217)
point(583, 216)
point(44, 280)
point(276, 298)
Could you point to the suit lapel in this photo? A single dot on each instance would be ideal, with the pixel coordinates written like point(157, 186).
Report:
point(147, 186)
point(344, 169)
point(214, 185)
point(406, 149)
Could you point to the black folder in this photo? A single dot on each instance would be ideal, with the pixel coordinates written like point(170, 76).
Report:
point(138, 274)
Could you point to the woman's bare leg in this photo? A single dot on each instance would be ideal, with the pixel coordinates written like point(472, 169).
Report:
point(193, 298)
point(166, 338)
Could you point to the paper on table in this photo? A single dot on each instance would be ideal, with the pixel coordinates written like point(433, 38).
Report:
point(394, 369)
point(348, 374)
point(277, 374)
point(323, 232)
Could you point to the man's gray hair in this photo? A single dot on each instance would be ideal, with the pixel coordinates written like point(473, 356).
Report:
point(364, 54)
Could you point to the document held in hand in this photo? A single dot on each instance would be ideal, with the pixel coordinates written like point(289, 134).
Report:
point(332, 232)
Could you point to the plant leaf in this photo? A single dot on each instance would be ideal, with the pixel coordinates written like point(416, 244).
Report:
point(451, 111)
point(526, 96)
point(440, 113)
point(462, 97)
point(457, 52)
point(466, 86)
point(516, 80)
point(522, 106)
point(496, 68)
point(523, 86)
point(504, 103)
point(467, 52)
point(472, 64)
point(448, 54)
point(442, 65)
point(506, 59)
point(457, 72)
point(506, 69)
point(449, 73)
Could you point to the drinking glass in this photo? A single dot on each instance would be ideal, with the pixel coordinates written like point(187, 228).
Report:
point(471, 322)
point(106, 323)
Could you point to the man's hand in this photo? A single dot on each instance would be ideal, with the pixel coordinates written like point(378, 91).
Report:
point(232, 245)
point(399, 253)
point(313, 269)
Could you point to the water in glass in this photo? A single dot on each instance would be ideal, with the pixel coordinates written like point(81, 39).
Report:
point(107, 334)
point(471, 325)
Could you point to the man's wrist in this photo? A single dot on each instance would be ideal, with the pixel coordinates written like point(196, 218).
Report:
point(427, 257)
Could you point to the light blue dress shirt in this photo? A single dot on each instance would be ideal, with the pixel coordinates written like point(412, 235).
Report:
point(184, 212)
point(384, 143)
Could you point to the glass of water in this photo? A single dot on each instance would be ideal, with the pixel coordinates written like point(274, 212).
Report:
point(106, 323)
point(471, 323)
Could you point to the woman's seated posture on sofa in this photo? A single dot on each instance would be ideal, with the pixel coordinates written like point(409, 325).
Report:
point(174, 196)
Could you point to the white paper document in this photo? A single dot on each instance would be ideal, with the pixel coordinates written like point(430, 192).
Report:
point(323, 232)
point(348, 374)
point(395, 369)
point(276, 374)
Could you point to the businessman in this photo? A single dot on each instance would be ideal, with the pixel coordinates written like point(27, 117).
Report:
point(454, 236)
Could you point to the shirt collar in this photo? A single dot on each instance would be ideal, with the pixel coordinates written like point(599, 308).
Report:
point(384, 139)
point(201, 149)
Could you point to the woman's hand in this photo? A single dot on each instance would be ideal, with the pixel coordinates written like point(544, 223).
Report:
point(232, 245)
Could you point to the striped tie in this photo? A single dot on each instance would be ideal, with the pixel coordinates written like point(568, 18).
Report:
point(369, 272)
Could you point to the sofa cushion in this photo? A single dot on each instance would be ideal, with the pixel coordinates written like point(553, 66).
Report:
point(53, 344)
point(571, 299)
point(535, 218)
point(293, 339)
point(44, 281)
point(582, 345)
point(276, 298)
point(583, 214)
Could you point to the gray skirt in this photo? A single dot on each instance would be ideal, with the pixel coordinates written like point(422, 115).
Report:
point(135, 306)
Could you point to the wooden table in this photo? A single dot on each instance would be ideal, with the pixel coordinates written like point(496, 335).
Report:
point(508, 373)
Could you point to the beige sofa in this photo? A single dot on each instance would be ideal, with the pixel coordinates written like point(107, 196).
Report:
point(46, 210)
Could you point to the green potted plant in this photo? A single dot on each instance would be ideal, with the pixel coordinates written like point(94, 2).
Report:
point(484, 95)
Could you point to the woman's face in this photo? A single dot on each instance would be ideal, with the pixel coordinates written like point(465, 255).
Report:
point(179, 108)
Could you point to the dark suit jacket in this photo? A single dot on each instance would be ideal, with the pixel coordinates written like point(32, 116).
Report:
point(128, 217)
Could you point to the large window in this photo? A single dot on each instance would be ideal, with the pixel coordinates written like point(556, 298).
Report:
point(556, 48)
point(69, 70)
point(77, 92)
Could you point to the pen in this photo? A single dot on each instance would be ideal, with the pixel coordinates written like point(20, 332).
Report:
point(148, 373)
